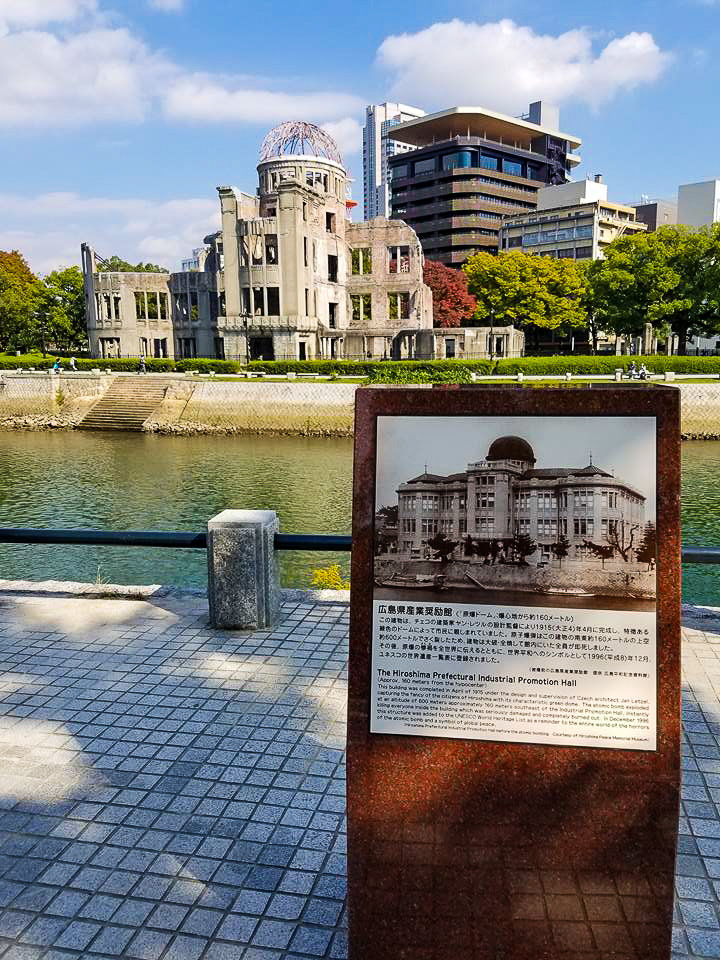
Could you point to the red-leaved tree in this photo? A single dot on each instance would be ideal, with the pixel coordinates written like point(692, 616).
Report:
point(453, 306)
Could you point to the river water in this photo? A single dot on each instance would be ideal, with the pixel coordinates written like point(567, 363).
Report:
point(145, 482)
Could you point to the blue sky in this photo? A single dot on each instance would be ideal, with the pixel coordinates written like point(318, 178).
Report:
point(119, 119)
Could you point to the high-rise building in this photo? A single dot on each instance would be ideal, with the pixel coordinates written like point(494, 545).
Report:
point(699, 203)
point(377, 147)
point(469, 168)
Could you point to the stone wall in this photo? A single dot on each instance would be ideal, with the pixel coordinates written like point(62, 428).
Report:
point(616, 580)
point(34, 401)
point(700, 411)
point(246, 407)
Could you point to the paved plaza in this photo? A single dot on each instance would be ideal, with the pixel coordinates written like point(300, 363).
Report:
point(172, 791)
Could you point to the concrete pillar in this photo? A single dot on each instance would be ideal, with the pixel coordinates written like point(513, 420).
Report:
point(243, 582)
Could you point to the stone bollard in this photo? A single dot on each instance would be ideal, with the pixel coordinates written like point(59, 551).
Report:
point(669, 375)
point(618, 374)
point(520, 377)
point(243, 582)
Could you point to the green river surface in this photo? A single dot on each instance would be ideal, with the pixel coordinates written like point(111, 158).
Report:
point(118, 481)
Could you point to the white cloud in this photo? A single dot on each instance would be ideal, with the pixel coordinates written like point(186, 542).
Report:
point(347, 133)
point(505, 66)
point(167, 6)
point(97, 75)
point(34, 13)
point(49, 228)
point(203, 98)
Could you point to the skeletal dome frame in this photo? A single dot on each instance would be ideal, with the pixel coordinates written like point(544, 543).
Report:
point(297, 137)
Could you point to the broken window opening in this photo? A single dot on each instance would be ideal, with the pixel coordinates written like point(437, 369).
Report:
point(271, 249)
point(273, 301)
point(330, 222)
point(398, 306)
point(256, 250)
point(246, 309)
point(399, 259)
point(258, 302)
point(194, 311)
point(332, 315)
point(117, 307)
point(361, 260)
point(332, 268)
point(361, 307)
point(163, 306)
point(140, 305)
point(305, 256)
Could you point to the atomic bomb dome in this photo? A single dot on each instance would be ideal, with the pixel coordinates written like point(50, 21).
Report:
point(299, 138)
point(511, 448)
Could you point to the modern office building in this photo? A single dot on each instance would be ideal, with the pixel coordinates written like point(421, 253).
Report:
point(287, 276)
point(572, 220)
point(699, 203)
point(503, 496)
point(378, 147)
point(469, 168)
point(656, 213)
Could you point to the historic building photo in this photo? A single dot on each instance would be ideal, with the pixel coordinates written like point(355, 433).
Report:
point(506, 521)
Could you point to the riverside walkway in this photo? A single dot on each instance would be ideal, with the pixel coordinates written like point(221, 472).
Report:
point(172, 791)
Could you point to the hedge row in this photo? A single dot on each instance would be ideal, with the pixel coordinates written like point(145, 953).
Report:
point(387, 371)
point(126, 364)
point(550, 366)
point(364, 368)
point(407, 373)
point(605, 364)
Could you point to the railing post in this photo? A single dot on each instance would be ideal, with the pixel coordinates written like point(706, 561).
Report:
point(243, 582)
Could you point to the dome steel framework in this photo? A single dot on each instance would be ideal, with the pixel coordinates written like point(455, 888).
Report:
point(297, 137)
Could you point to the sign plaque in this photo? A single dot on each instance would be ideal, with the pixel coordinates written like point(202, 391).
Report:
point(514, 701)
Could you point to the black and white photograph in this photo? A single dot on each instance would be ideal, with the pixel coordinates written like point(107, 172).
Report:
point(539, 511)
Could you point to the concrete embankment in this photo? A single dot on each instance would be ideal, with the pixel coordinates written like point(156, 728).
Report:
point(615, 579)
point(309, 408)
point(36, 401)
point(44, 401)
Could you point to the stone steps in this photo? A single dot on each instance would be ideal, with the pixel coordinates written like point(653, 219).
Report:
point(126, 405)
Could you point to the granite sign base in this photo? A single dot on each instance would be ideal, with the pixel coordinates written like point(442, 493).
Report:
point(484, 850)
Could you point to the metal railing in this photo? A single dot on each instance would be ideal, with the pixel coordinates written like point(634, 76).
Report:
point(328, 542)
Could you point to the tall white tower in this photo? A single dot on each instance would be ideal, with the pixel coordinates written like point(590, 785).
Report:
point(377, 147)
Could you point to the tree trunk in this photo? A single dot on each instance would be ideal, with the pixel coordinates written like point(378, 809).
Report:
point(682, 331)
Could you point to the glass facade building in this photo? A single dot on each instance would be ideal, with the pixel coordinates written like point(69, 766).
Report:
point(467, 171)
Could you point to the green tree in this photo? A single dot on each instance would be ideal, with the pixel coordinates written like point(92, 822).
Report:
point(19, 300)
point(116, 264)
point(526, 290)
point(669, 278)
point(62, 301)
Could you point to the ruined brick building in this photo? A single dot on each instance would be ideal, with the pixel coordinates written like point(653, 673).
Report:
point(288, 275)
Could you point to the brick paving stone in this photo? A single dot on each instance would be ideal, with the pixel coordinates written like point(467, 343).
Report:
point(195, 806)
